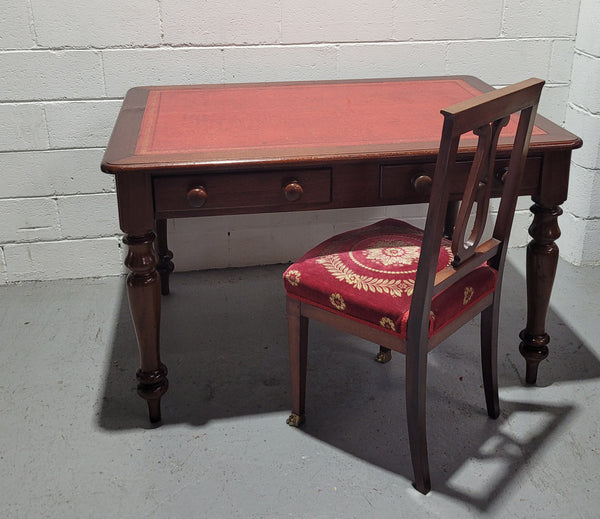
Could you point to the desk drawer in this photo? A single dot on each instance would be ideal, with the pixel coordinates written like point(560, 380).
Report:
point(242, 192)
point(401, 182)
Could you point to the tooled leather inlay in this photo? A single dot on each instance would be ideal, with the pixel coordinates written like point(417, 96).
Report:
point(231, 117)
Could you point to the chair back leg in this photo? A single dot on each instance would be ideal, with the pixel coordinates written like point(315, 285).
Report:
point(384, 355)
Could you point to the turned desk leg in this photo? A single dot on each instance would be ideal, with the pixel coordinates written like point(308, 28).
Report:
point(165, 265)
point(144, 300)
point(542, 259)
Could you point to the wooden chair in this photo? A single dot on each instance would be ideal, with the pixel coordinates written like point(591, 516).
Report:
point(407, 289)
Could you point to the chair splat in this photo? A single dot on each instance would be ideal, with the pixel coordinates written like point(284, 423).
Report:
point(477, 192)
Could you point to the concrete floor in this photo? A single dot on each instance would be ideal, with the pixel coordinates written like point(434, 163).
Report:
point(74, 440)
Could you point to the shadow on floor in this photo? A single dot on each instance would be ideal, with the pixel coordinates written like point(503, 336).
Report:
point(225, 344)
point(472, 458)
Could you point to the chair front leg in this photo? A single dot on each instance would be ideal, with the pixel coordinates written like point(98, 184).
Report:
point(298, 345)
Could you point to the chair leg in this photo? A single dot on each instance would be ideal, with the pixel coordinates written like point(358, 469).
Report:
point(489, 357)
point(298, 343)
point(416, 376)
point(384, 355)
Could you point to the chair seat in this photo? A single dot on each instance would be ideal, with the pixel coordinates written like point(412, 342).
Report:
point(368, 274)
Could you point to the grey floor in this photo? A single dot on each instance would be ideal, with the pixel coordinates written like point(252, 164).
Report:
point(74, 440)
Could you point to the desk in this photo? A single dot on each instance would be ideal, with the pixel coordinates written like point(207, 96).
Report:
point(183, 151)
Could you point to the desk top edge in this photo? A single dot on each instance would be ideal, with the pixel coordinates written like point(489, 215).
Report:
point(120, 154)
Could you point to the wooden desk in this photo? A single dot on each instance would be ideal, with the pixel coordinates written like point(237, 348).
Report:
point(234, 149)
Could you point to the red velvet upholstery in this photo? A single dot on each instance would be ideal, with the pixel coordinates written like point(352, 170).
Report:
point(368, 274)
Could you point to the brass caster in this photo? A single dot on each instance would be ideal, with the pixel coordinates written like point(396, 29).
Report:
point(384, 355)
point(295, 420)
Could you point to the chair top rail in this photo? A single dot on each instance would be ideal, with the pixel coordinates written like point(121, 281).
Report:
point(468, 114)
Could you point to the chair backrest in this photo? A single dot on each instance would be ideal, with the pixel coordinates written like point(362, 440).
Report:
point(485, 116)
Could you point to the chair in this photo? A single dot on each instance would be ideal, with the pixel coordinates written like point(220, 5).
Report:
point(407, 289)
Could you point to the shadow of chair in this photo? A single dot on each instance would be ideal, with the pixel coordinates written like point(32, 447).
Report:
point(355, 406)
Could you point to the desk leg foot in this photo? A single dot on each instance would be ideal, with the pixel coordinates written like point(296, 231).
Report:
point(165, 265)
point(534, 350)
point(143, 289)
point(542, 259)
point(151, 387)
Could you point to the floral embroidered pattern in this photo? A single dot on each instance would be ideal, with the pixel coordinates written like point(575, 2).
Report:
point(386, 322)
point(393, 252)
point(468, 295)
point(391, 256)
point(369, 274)
point(337, 301)
point(293, 277)
point(394, 287)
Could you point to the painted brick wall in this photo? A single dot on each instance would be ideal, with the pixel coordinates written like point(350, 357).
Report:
point(66, 66)
point(580, 242)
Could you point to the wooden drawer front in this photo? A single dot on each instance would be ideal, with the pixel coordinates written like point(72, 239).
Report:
point(402, 182)
point(244, 191)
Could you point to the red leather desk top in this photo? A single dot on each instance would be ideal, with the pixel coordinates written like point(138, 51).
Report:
point(182, 127)
point(309, 115)
point(343, 114)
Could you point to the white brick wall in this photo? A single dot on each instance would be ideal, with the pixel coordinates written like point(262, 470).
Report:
point(3, 275)
point(99, 24)
point(23, 127)
point(213, 22)
point(33, 75)
point(65, 67)
point(175, 66)
point(523, 18)
point(587, 30)
point(448, 20)
point(314, 21)
point(63, 259)
point(53, 172)
point(580, 241)
point(16, 27)
point(29, 219)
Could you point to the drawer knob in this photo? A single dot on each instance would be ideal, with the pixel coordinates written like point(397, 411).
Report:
point(197, 196)
point(293, 191)
point(422, 184)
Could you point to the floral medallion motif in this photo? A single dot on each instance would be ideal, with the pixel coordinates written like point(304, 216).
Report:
point(393, 252)
point(338, 302)
point(293, 277)
point(387, 254)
